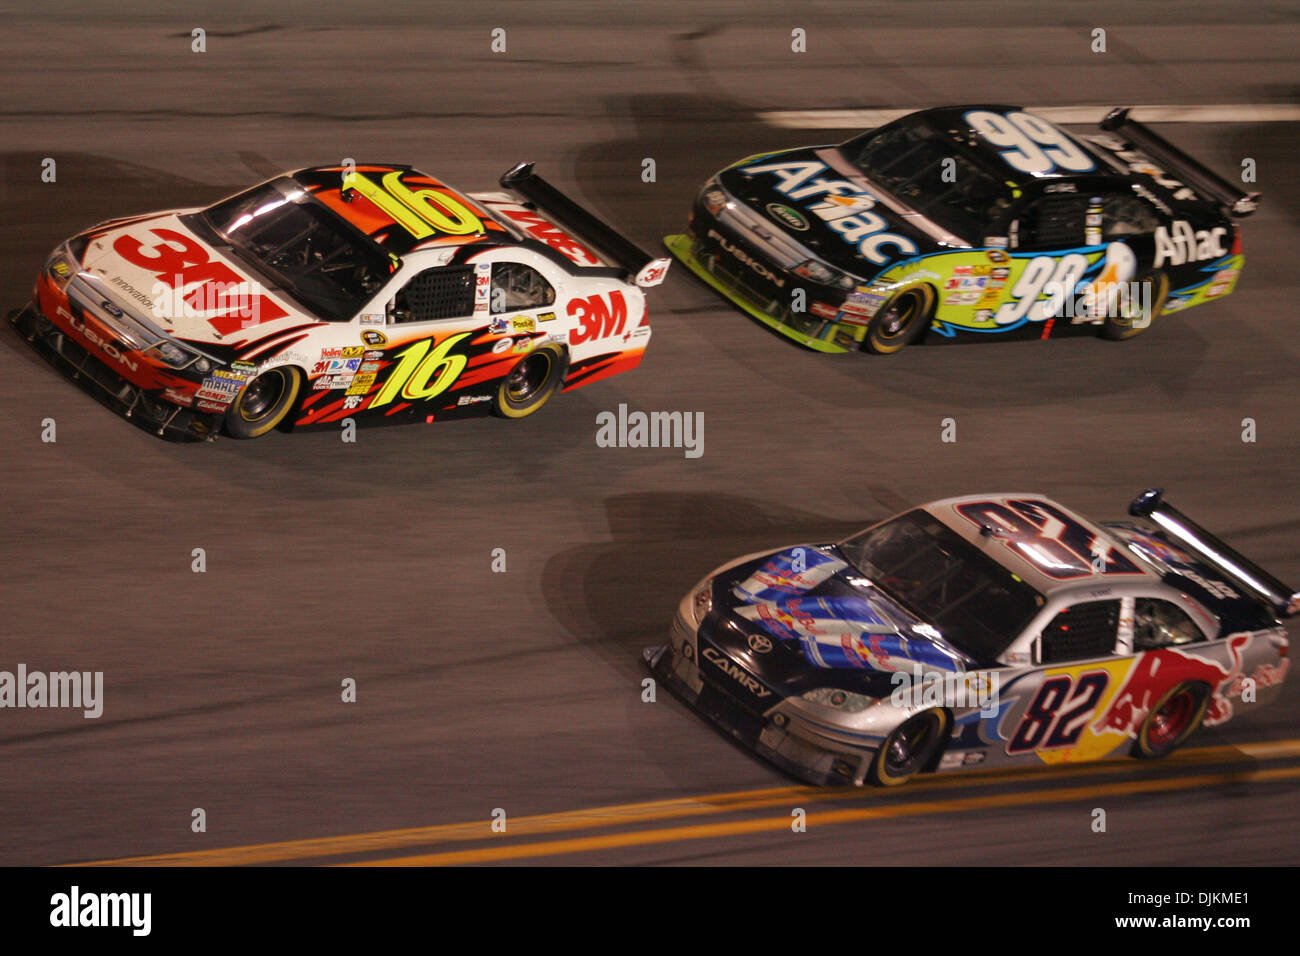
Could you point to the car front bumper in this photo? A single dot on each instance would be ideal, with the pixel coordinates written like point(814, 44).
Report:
point(140, 406)
point(694, 254)
point(766, 734)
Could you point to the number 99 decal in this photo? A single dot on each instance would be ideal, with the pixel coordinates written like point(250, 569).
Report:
point(1056, 279)
point(1030, 143)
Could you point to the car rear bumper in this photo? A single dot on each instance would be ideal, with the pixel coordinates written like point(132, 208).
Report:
point(137, 405)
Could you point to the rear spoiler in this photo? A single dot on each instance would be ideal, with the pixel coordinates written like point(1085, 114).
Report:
point(1205, 181)
point(641, 268)
point(1253, 579)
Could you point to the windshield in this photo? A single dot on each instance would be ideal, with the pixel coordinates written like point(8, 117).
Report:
point(977, 604)
point(923, 168)
point(310, 253)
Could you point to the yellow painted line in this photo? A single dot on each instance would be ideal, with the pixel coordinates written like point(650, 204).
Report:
point(658, 810)
point(770, 825)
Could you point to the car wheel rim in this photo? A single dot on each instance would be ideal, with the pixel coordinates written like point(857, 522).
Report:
point(262, 395)
point(898, 318)
point(906, 744)
point(1170, 721)
point(527, 377)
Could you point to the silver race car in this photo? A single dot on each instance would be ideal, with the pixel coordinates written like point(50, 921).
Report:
point(980, 631)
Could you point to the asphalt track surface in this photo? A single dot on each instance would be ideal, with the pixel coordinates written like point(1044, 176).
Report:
point(522, 690)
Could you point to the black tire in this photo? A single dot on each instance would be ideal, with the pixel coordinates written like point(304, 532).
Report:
point(1171, 720)
point(531, 383)
point(264, 402)
point(900, 321)
point(914, 746)
point(1118, 328)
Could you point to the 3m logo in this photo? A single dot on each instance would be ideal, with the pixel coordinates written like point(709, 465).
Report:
point(597, 320)
point(179, 262)
point(549, 233)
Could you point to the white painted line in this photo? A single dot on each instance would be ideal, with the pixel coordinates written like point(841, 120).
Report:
point(1227, 113)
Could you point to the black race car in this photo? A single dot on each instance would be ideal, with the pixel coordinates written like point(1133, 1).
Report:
point(960, 223)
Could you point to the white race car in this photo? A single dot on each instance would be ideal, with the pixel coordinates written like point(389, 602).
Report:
point(372, 292)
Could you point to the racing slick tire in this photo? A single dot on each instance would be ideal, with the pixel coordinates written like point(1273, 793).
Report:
point(264, 402)
point(1172, 720)
point(913, 746)
point(531, 383)
point(1118, 328)
point(900, 321)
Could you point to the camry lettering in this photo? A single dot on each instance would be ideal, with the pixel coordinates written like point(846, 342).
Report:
point(735, 672)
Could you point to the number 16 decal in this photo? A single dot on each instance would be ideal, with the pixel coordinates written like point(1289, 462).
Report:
point(423, 374)
point(1059, 712)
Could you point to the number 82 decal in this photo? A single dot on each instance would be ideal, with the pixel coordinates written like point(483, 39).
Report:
point(1058, 713)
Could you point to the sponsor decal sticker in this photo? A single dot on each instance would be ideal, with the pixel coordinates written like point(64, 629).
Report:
point(361, 384)
point(328, 382)
point(787, 216)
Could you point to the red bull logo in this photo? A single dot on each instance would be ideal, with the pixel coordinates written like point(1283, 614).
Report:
point(1156, 672)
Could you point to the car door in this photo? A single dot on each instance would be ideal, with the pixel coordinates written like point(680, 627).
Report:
point(1080, 250)
point(426, 342)
point(1047, 239)
point(1077, 667)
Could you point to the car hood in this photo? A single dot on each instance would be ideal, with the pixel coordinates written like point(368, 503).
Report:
point(813, 601)
point(773, 188)
point(193, 291)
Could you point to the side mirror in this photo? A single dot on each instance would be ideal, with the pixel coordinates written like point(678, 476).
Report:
point(1037, 649)
point(399, 315)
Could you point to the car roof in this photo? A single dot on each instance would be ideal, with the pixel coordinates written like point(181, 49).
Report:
point(397, 226)
point(960, 515)
point(952, 120)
